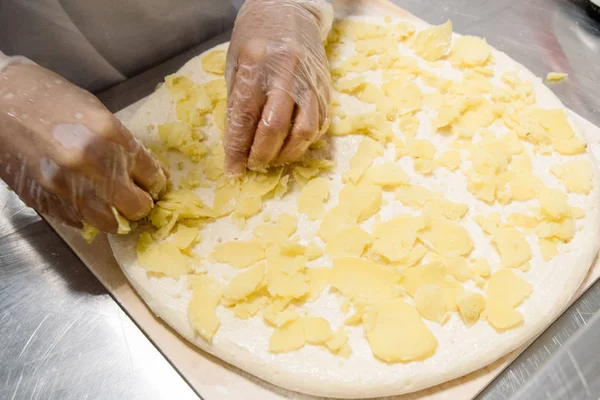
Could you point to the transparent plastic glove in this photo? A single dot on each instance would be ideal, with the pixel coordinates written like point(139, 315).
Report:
point(67, 156)
point(278, 82)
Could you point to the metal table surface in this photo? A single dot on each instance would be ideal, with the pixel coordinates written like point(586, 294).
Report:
point(63, 337)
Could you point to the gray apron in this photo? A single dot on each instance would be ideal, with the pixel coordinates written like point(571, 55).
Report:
point(98, 43)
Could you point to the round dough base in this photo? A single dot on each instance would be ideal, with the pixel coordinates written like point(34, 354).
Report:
point(314, 370)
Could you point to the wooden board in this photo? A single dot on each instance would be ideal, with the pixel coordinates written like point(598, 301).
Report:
point(214, 379)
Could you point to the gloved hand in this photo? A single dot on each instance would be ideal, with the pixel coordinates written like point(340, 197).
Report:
point(279, 85)
point(67, 156)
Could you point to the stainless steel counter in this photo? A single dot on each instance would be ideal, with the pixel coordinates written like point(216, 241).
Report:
point(63, 337)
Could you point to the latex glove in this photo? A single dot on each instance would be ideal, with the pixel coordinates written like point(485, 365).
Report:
point(67, 156)
point(278, 81)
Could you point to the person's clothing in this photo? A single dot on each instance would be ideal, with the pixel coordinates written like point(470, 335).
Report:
point(98, 43)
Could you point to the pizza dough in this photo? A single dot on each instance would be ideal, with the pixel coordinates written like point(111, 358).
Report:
point(449, 348)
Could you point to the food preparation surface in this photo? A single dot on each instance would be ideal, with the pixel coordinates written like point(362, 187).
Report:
point(64, 337)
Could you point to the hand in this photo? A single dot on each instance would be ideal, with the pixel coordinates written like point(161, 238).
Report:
point(67, 156)
point(279, 85)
